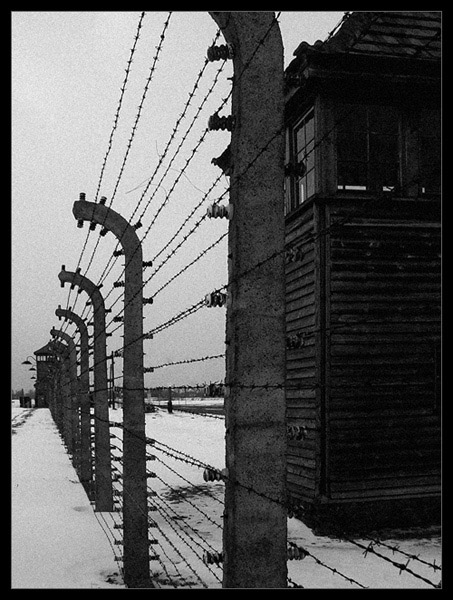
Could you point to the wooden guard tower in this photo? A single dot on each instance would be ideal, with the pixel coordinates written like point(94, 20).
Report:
point(45, 363)
point(363, 273)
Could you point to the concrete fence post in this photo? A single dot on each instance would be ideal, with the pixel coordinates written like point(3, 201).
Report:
point(85, 470)
point(72, 405)
point(66, 401)
point(112, 381)
point(63, 398)
point(54, 383)
point(102, 467)
point(255, 526)
point(60, 386)
point(135, 503)
point(56, 395)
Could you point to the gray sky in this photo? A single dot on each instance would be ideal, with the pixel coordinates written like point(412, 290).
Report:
point(67, 71)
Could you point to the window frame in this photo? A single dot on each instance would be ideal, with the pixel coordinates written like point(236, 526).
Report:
point(293, 180)
point(409, 162)
point(371, 184)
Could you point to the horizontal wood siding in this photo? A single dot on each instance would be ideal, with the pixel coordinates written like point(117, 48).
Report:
point(384, 339)
point(302, 408)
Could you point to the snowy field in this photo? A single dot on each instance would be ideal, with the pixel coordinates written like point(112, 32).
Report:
point(59, 541)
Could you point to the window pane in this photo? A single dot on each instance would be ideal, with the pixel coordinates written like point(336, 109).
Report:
point(352, 175)
point(310, 156)
point(383, 148)
point(352, 117)
point(302, 190)
point(310, 183)
point(384, 176)
point(310, 128)
point(303, 159)
point(367, 147)
point(383, 119)
point(300, 139)
point(352, 145)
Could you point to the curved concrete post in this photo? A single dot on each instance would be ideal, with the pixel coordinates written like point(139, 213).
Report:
point(64, 401)
point(60, 400)
point(66, 411)
point(135, 508)
point(255, 529)
point(102, 466)
point(54, 407)
point(73, 386)
point(86, 474)
point(53, 376)
point(74, 403)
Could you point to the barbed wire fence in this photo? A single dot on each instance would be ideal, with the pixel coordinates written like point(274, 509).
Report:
point(179, 555)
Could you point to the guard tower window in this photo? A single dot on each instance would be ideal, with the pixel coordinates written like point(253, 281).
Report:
point(367, 147)
point(304, 139)
point(300, 162)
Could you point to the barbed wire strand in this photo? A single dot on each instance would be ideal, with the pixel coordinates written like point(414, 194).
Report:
point(185, 457)
point(113, 130)
point(135, 125)
point(335, 571)
point(247, 64)
point(356, 40)
point(159, 184)
point(184, 530)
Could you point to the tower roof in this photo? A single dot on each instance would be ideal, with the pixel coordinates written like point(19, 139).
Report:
point(48, 349)
point(408, 34)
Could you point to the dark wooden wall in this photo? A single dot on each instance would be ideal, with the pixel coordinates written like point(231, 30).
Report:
point(383, 311)
point(365, 292)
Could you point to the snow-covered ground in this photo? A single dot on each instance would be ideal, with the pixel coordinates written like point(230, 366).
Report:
point(58, 540)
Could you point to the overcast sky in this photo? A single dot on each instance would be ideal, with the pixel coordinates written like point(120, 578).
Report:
point(67, 71)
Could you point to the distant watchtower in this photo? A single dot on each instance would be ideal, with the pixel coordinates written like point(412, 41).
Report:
point(45, 361)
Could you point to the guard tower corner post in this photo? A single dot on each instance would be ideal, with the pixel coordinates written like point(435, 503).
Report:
point(102, 467)
point(135, 503)
point(255, 526)
point(85, 467)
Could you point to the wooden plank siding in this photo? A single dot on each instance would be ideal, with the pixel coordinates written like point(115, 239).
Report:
point(302, 405)
point(383, 339)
